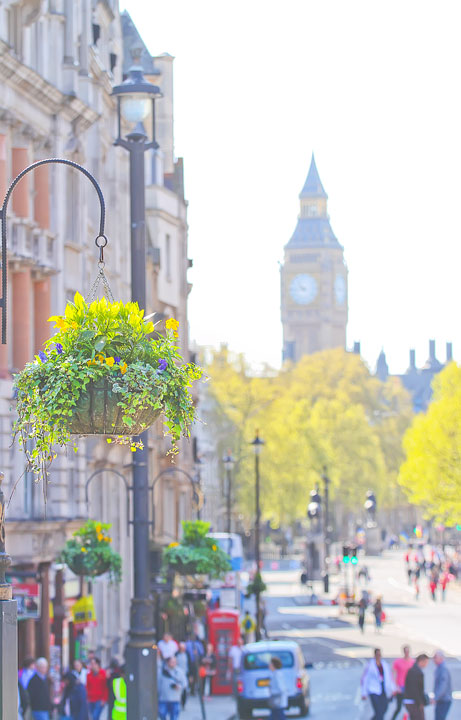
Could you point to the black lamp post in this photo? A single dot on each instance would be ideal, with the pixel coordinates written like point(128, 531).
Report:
point(228, 462)
point(257, 444)
point(326, 530)
point(135, 99)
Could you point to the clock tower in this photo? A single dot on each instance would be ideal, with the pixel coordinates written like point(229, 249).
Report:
point(313, 278)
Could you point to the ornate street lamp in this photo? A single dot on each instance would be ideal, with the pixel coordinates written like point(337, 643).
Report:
point(229, 462)
point(135, 99)
point(257, 444)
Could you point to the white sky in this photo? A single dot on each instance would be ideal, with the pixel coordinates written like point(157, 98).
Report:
point(373, 87)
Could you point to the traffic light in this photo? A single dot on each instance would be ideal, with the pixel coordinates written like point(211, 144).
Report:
point(346, 549)
point(354, 558)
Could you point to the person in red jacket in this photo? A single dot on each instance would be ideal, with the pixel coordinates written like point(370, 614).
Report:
point(96, 688)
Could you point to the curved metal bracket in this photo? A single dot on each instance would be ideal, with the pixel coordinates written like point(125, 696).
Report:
point(195, 484)
point(127, 487)
point(58, 161)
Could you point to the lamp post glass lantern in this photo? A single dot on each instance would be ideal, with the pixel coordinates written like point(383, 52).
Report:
point(228, 462)
point(257, 444)
point(135, 99)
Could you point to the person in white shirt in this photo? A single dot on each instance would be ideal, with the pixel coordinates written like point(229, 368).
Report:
point(235, 658)
point(80, 671)
point(377, 684)
point(167, 646)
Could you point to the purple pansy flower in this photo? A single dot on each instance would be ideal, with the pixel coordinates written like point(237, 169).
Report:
point(58, 347)
point(117, 360)
point(42, 356)
point(162, 365)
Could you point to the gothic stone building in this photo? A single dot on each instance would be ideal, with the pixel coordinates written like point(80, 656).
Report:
point(313, 278)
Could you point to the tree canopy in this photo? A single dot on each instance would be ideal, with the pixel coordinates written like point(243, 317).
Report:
point(325, 411)
point(431, 474)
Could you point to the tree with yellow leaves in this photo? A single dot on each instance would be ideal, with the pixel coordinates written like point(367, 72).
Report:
point(431, 474)
point(326, 411)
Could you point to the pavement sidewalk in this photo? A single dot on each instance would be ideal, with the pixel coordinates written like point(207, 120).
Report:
point(217, 707)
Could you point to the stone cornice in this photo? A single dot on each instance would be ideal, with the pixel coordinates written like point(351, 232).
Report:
point(98, 70)
point(43, 93)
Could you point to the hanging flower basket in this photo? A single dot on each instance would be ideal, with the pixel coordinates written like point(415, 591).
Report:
point(106, 372)
point(197, 554)
point(90, 554)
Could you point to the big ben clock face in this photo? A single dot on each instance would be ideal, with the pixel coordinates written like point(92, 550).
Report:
point(340, 290)
point(303, 289)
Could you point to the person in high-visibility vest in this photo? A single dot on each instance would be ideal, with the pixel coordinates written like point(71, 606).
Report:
point(119, 690)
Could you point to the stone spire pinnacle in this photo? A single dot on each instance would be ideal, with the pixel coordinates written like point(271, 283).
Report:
point(313, 187)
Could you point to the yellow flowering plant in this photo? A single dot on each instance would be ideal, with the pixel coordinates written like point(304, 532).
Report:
point(89, 552)
point(102, 354)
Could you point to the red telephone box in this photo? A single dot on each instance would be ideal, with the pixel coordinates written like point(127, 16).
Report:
point(223, 632)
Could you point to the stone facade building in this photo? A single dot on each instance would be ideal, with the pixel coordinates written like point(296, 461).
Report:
point(58, 62)
point(313, 278)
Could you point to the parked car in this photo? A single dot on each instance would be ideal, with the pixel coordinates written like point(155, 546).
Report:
point(254, 678)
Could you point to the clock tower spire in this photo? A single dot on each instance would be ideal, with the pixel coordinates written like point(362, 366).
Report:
point(313, 278)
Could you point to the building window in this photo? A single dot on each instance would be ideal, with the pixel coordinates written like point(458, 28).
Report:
point(168, 257)
point(312, 210)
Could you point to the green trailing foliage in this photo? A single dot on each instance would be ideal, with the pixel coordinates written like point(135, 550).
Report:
point(257, 586)
point(196, 554)
point(108, 342)
point(89, 552)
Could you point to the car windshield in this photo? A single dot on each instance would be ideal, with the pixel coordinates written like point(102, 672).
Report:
point(260, 660)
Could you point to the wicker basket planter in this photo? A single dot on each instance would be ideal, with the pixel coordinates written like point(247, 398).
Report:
point(97, 413)
point(88, 566)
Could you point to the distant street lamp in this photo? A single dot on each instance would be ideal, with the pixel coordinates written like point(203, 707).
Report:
point(257, 444)
point(135, 99)
point(326, 531)
point(228, 462)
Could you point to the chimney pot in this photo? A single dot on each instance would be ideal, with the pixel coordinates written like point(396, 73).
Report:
point(432, 349)
point(413, 359)
point(449, 352)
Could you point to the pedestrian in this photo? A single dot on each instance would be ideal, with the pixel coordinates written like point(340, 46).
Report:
point(171, 683)
point(113, 672)
point(96, 687)
point(416, 588)
point(278, 697)
point(377, 684)
point(378, 613)
point(23, 701)
point(195, 652)
point(80, 671)
point(167, 646)
point(118, 711)
point(442, 687)
point(235, 659)
point(182, 661)
point(414, 696)
point(262, 616)
point(444, 580)
point(248, 626)
point(74, 702)
point(433, 587)
point(400, 667)
point(26, 672)
point(38, 688)
point(208, 666)
point(362, 609)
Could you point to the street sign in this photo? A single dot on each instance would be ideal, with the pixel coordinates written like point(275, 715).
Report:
point(27, 596)
point(83, 613)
